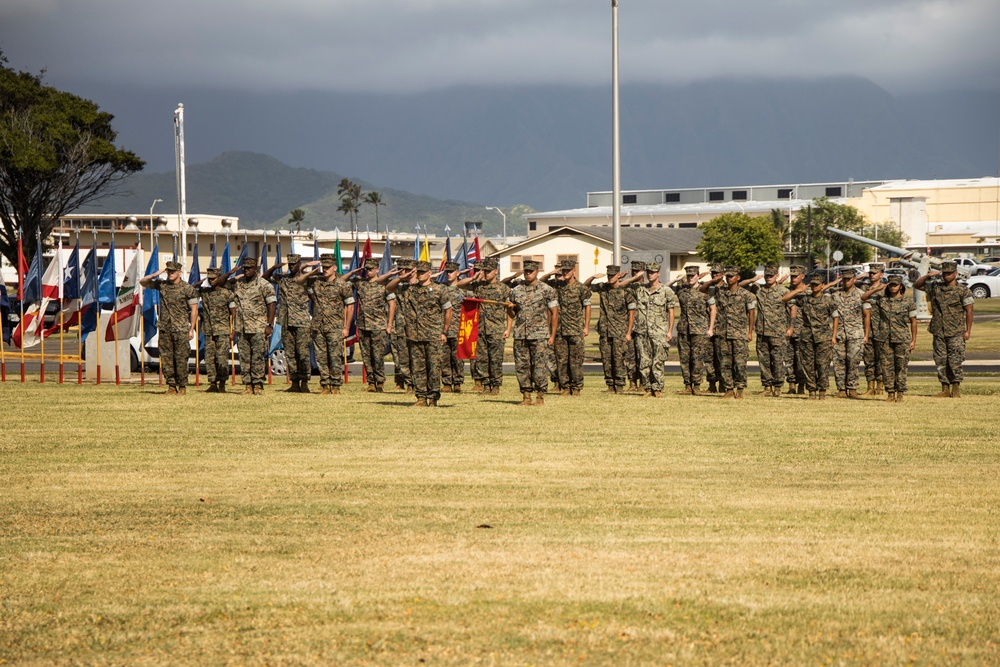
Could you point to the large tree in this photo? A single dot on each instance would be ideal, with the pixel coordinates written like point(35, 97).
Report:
point(57, 153)
point(825, 213)
point(736, 239)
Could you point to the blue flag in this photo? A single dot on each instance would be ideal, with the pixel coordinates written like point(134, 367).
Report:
point(315, 246)
point(385, 266)
point(4, 313)
point(416, 246)
point(244, 250)
point(227, 263)
point(150, 297)
point(33, 280)
point(443, 278)
point(88, 305)
point(462, 256)
point(356, 257)
point(195, 276)
point(71, 279)
point(106, 289)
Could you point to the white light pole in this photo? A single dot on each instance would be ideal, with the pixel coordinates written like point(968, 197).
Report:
point(155, 202)
point(181, 179)
point(494, 208)
point(616, 215)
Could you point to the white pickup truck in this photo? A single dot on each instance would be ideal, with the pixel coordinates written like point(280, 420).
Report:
point(973, 267)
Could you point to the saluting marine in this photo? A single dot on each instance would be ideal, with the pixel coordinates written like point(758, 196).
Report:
point(295, 321)
point(817, 335)
point(734, 327)
point(951, 325)
point(850, 335)
point(695, 327)
point(255, 310)
point(333, 304)
point(533, 316)
point(176, 325)
point(574, 325)
point(891, 326)
point(616, 318)
point(217, 326)
point(772, 331)
point(487, 369)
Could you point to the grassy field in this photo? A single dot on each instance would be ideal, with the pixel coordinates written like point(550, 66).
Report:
point(140, 529)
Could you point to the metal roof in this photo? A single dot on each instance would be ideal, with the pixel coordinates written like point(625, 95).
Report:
point(674, 241)
point(710, 210)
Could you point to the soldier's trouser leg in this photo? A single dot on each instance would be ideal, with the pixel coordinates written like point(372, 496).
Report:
point(808, 351)
point(296, 342)
point(644, 356)
point(613, 359)
point(211, 370)
point(823, 352)
point(840, 363)
point(684, 349)
point(740, 348)
point(605, 344)
point(560, 350)
point(852, 362)
point(217, 357)
point(574, 361)
point(711, 372)
point(426, 372)
point(493, 364)
point(373, 354)
point(253, 358)
point(174, 348)
point(699, 343)
point(329, 357)
point(949, 355)
point(550, 363)
point(725, 350)
point(872, 356)
point(401, 359)
point(632, 360)
point(529, 364)
point(794, 366)
point(452, 368)
point(770, 358)
point(898, 358)
point(659, 349)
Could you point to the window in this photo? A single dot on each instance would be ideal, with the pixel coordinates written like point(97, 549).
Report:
point(784, 193)
point(629, 199)
point(834, 192)
point(718, 195)
point(575, 258)
point(531, 225)
point(739, 195)
point(687, 225)
point(671, 198)
point(517, 261)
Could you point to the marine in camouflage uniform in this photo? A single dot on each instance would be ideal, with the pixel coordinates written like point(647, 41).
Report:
point(713, 357)
point(615, 320)
point(217, 315)
point(734, 324)
point(333, 301)
point(794, 374)
point(487, 369)
point(850, 335)
point(176, 324)
point(453, 368)
point(397, 340)
point(871, 353)
point(372, 323)
point(574, 325)
point(255, 310)
point(771, 327)
point(655, 304)
point(891, 325)
point(536, 313)
point(427, 313)
point(951, 306)
point(296, 324)
point(631, 284)
point(694, 327)
point(819, 317)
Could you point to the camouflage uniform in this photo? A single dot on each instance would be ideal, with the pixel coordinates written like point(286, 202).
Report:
point(174, 326)
point(632, 347)
point(372, 322)
point(850, 339)
point(891, 334)
point(948, 328)
point(216, 327)
point(397, 342)
point(818, 313)
point(531, 332)
point(713, 357)
point(574, 302)
point(652, 321)
point(732, 326)
point(488, 365)
point(330, 298)
point(793, 350)
point(771, 327)
point(424, 307)
point(293, 316)
point(252, 299)
point(871, 354)
point(612, 325)
point(453, 368)
point(692, 331)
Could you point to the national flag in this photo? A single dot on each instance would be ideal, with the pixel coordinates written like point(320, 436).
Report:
point(126, 315)
point(32, 288)
point(468, 328)
point(425, 249)
point(106, 287)
point(445, 258)
point(227, 262)
point(416, 246)
point(30, 330)
point(70, 293)
point(194, 277)
point(385, 266)
point(244, 250)
point(151, 298)
point(88, 297)
point(356, 257)
point(5, 333)
point(337, 257)
point(315, 245)
point(22, 266)
point(462, 256)
point(474, 254)
point(367, 252)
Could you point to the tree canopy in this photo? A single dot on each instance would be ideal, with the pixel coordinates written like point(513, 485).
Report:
point(57, 153)
point(736, 239)
point(826, 213)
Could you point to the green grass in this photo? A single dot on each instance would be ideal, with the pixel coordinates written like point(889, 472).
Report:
point(140, 529)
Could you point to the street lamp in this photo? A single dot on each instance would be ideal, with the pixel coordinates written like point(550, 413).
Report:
point(494, 208)
point(155, 202)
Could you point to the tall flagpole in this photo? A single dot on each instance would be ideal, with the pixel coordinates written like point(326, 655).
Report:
point(181, 178)
point(118, 375)
point(616, 215)
point(41, 313)
point(79, 316)
point(62, 297)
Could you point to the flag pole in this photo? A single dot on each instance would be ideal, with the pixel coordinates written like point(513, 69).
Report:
point(197, 372)
point(41, 313)
point(3, 358)
point(118, 378)
point(232, 352)
point(347, 374)
point(21, 325)
point(62, 296)
point(616, 224)
point(79, 319)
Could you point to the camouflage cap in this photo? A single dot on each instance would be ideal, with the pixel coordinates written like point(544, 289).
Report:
point(249, 263)
point(895, 279)
point(213, 272)
point(423, 267)
point(327, 260)
point(876, 267)
point(638, 266)
point(371, 263)
point(490, 264)
point(405, 263)
point(451, 266)
point(692, 270)
point(947, 267)
point(848, 272)
point(716, 268)
point(796, 270)
point(530, 265)
point(653, 267)
point(567, 264)
point(816, 279)
point(173, 266)
point(771, 270)
point(613, 269)
point(732, 271)
point(291, 258)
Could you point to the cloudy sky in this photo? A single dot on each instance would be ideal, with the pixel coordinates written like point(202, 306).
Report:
point(413, 45)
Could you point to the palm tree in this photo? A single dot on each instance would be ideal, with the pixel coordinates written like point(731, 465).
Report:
point(350, 201)
point(298, 215)
point(375, 199)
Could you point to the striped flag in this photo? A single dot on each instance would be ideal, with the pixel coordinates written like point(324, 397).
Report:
point(126, 315)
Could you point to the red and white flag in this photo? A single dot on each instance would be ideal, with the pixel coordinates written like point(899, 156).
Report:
point(126, 315)
point(468, 328)
point(29, 331)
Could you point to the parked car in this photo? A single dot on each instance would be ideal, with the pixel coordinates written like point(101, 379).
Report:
point(985, 286)
point(972, 266)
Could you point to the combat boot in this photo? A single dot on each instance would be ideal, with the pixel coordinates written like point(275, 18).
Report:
point(258, 390)
point(409, 390)
point(841, 394)
point(432, 402)
point(776, 390)
point(729, 394)
point(211, 388)
point(685, 390)
point(791, 389)
point(610, 390)
point(871, 389)
point(526, 398)
point(822, 395)
point(380, 389)
point(456, 389)
point(171, 391)
point(766, 391)
point(304, 387)
point(293, 387)
point(565, 392)
point(711, 387)
point(696, 390)
point(813, 396)
point(890, 397)
point(647, 394)
point(879, 388)
point(852, 393)
point(899, 397)
point(956, 391)
point(945, 391)
point(181, 391)
point(247, 389)
point(540, 398)
point(478, 387)
point(324, 391)
point(420, 403)
point(371, 389)
point(633, 388)
point(335, 391)
point(222, 387)
point(495, 390)
point(739, 394)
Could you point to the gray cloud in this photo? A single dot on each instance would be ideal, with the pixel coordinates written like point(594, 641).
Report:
point(404, 45)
